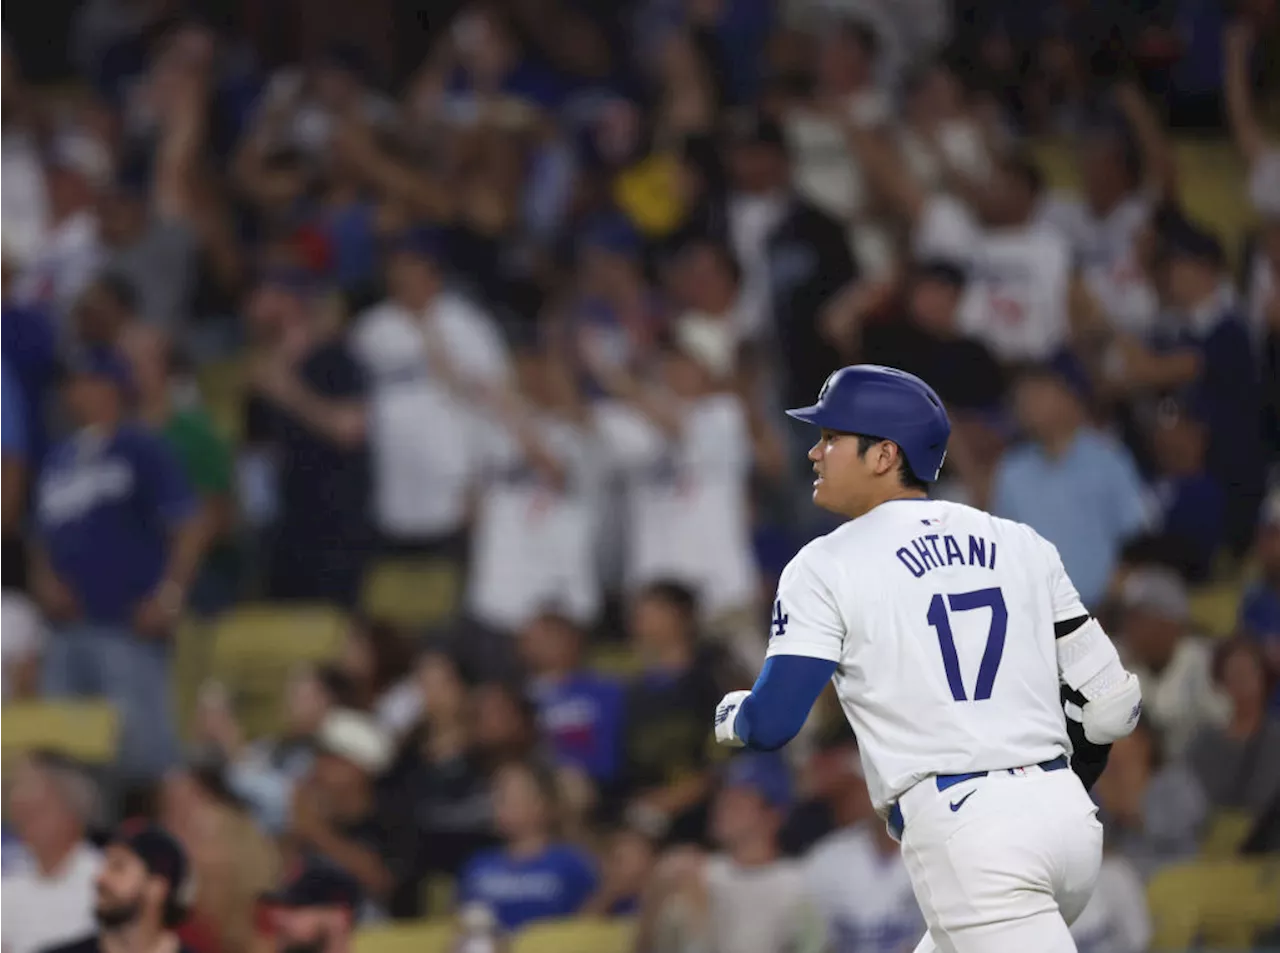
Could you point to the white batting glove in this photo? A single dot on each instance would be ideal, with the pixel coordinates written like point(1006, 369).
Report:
point(727, 717)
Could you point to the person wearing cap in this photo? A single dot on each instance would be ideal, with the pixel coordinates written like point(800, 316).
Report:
point(118, 542)
point(144, 892)
point(1201, 352)
point(748, 897)
point(421, 431)
point(308, 413)
point(335, 817)
point(855, 875)
point(1072, 483)
point(315, 911)
point(1173, 665)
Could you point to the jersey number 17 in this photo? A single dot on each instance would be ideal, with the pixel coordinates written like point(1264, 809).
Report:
point(939, 618)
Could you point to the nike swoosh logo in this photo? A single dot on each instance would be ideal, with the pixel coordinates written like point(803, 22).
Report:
point(956, 805)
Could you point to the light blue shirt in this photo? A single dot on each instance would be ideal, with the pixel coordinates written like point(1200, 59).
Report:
point(1087, 503)
point(13, 428)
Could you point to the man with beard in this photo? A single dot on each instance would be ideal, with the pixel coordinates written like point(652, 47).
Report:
point(314, 912)
point(144, 891)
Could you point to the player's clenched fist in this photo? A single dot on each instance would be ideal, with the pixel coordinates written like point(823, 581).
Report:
point(726, 716)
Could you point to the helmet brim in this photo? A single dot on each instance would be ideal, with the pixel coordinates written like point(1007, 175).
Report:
point(815, 414)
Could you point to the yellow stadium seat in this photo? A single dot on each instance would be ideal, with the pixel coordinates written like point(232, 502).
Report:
point(1222, 904)
point(576, 936)
point(85, 730)
point(412, 593)
point(425, 936)
point(255, 647)
point(222, 387)
point(1226, 831)
point(192, 664)
point(1215, 607)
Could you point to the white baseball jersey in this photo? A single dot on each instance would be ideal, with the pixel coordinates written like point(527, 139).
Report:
point(864, 896)
point(940, 619)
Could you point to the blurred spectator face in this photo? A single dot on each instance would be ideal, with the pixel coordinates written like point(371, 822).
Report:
point(147, 350)
point(1014, 194)
point(1150, 635)
point(444, 694)
point(69, 191)
point(339, 777)
point(1241, 671)
point(933, 303)
point(758, 168)
point(504, 724)
point(101, 314)
point(520, 806)
point(307, 701)
point(337, 88)
point(1189, 280)
point(551, 645)
point(309, 929)
point(739, 814)
point(1045, 406)
point(936, 97)
point(93, 400)
point(39, 811)
point(1268, 550)
point(656, 624)
point(484, 46)
point(125, 888)
point(1103, 172)
point(846, 59)
point(605, 272)
point(703, 279)
point(272, 311)
point(412, 279)
point(628, 862)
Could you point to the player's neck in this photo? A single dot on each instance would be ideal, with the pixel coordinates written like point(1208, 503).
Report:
point(757, 852)
point(138, 938)
point(890, 496)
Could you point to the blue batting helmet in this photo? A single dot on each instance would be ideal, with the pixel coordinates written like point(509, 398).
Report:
point(887, 403)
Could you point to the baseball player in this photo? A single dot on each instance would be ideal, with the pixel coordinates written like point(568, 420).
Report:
point(951, 636)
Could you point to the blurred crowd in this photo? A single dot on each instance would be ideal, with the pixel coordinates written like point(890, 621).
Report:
point(522, 287)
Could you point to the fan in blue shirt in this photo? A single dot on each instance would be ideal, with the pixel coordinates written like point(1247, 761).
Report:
point(532, 877)
point(119, 543)
point(578, 710)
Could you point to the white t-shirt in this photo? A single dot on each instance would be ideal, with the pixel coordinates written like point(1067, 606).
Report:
point(24, 199)
point(422, 438)
point(756, 909)
point(686, 499)
point(63, 265)
point(863, 895)
point(1105, 249)
point(1019, 279)
point(940, 620)
point(41, 912)
point(1116, 919)
point(24, 636)
point(534, 544)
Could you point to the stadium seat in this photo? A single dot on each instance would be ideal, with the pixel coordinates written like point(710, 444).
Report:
point(412, 594)
point(1224, 834)
point(192, 664)
point(85, 730)
point(255, 647)
point(1222, 904)
point(1215, 607)
point(425, 936)
point(576, 936)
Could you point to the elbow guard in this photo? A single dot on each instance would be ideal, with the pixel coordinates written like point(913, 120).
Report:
point(1113, 715)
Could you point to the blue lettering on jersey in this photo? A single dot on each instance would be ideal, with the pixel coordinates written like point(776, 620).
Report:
point(779, 620)
point(925, 553)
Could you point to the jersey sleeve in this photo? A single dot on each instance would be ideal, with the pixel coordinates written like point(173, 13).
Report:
point(1062, 591)
point(806, 619)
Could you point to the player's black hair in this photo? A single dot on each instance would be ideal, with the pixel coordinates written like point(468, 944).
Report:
point(905, 474)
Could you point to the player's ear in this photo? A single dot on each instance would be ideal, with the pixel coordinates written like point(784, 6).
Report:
point(886, 457)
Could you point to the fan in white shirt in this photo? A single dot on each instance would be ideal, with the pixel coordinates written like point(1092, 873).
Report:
point(60, 267)
point(534, 540)
point(684, 453)
point(1020, 276)
point(423, 453)
point(51, 901)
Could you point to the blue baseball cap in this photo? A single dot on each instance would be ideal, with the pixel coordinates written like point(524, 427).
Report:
point(763, 772)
